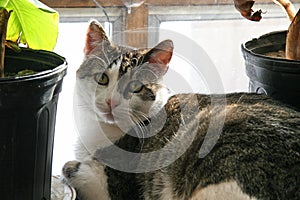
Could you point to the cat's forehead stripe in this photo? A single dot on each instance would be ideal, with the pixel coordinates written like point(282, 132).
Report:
point(131, 60)
point(116, 63)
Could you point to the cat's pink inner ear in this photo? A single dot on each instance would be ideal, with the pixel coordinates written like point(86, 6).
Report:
point(95, 35)
point(162, 53)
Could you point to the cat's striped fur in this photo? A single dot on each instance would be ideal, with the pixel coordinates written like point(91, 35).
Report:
point(252, 150)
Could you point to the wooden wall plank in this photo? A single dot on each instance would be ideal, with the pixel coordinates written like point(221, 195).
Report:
point(111, 3)
point(137, 26)
point(81, 3)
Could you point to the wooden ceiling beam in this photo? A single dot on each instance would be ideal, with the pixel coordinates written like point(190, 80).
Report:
point(81, 3)
point(119, 3)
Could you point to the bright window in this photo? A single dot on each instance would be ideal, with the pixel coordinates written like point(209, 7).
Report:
point(216, 31)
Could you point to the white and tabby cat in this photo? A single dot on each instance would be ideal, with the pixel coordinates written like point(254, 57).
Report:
point(118, 98)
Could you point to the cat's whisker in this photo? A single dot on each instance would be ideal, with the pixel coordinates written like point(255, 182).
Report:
point(138, 120)
point(137, 123)
point(141, 134)
point(142, 120)
point(134, 118)
point(142, 115)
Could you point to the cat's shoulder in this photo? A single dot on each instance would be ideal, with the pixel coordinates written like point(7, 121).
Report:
point(208, 100)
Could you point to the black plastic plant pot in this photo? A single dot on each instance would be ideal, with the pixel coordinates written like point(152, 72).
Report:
point(27, 121)
point(277, 77)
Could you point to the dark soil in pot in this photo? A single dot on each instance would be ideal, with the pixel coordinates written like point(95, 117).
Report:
point(269, 72)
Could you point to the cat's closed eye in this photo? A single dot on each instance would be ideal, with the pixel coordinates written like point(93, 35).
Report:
point(102, 79)
point(135, 86)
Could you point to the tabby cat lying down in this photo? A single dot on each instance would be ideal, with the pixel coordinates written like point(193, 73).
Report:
point(138, 141)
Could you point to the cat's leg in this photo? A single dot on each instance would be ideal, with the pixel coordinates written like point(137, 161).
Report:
point(88, 178)
point(225, 191)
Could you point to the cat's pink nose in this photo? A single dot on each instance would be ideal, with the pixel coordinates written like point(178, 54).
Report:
point(111, 103)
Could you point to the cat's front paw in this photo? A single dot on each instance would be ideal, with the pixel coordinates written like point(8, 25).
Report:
point(88, 178)
point(70, 169)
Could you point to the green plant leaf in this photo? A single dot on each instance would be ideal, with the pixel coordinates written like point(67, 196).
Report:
point(32, 23)
point(3, 3)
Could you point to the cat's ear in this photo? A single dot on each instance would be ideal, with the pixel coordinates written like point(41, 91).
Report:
point(95, 35)
point(161, 54)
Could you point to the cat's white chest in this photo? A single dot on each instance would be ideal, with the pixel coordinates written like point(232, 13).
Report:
point(94, 135)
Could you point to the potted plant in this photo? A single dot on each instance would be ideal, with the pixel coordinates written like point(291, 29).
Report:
point(29, 87)
point(273, 60)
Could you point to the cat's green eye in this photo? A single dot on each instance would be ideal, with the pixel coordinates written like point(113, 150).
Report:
point(102, 79)
point(135, 86)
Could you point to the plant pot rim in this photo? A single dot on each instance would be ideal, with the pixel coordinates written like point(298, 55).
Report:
point(39, 75)
point(248, 49)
